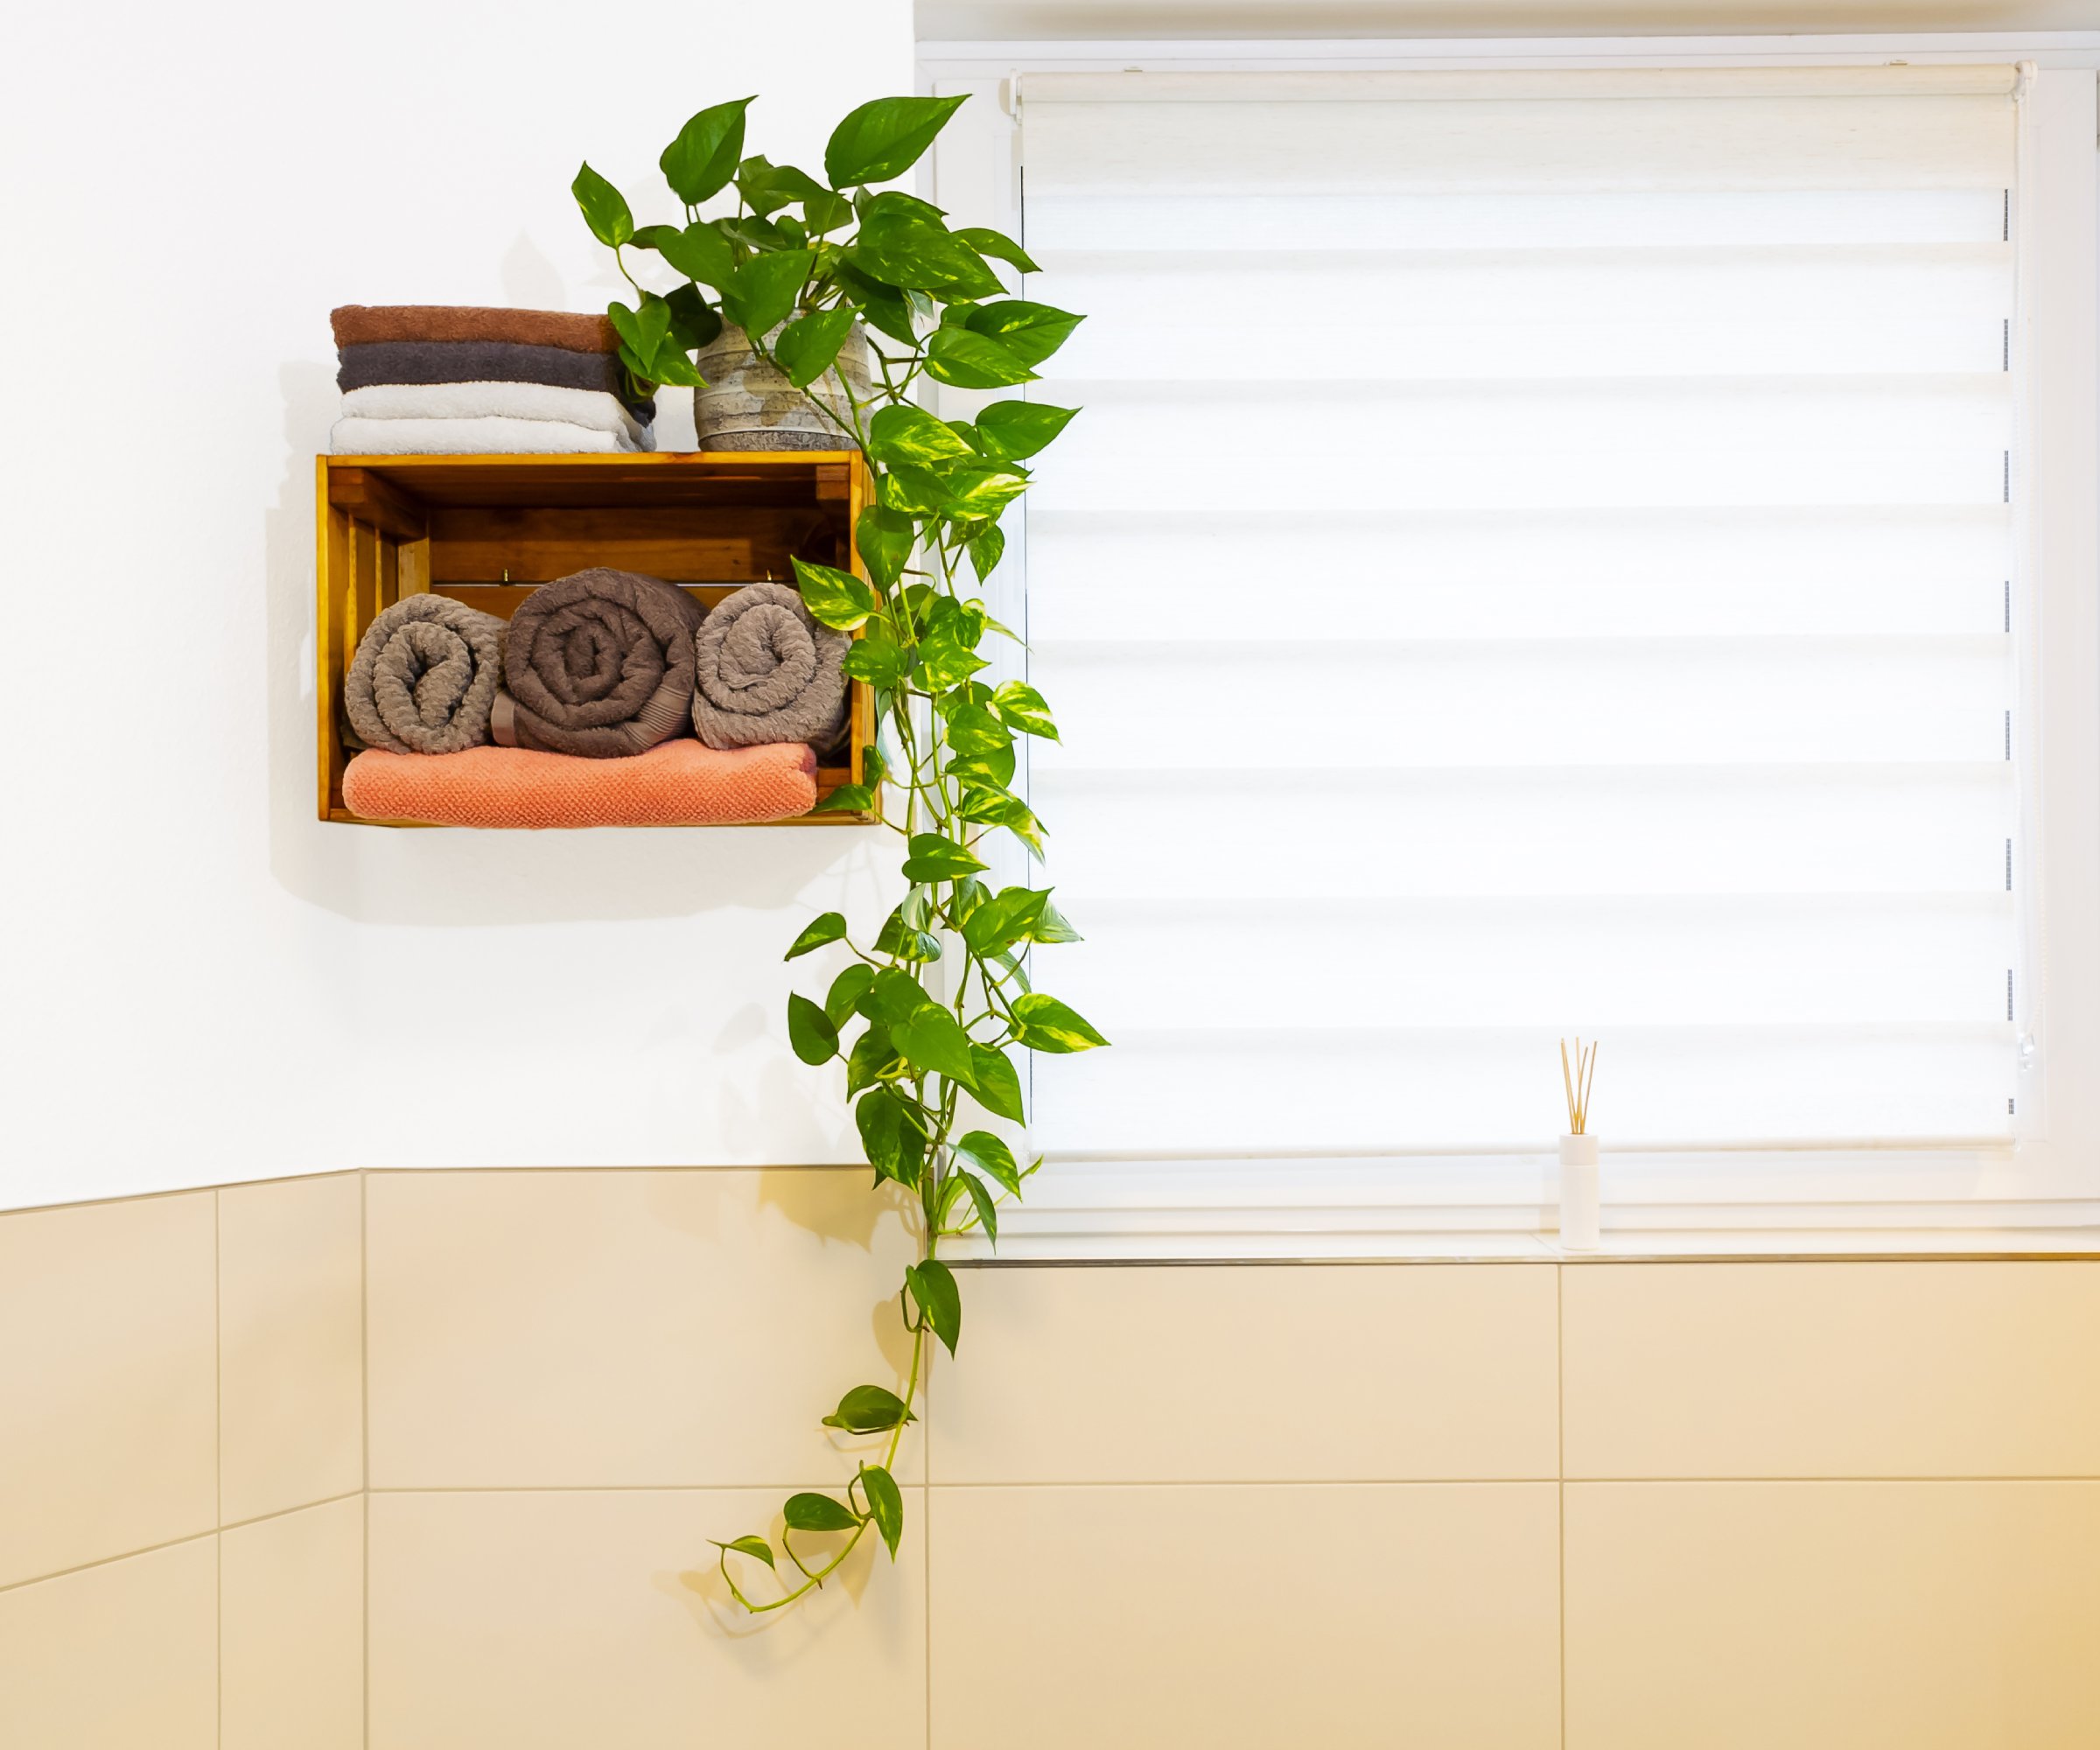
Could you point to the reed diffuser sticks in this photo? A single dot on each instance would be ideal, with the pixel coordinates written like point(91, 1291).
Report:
point(1576, 1082)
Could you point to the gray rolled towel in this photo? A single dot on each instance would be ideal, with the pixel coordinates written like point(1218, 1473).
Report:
point(767, 671)
point(598, 663)
point(424, 678)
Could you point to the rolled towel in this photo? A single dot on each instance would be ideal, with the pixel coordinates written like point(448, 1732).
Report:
point(680, 783)
point(424, 678)
point(472, 437)
point(599, 663)
point(446, 362)
point(764, 670)
point(590, 408)
point(357, 325)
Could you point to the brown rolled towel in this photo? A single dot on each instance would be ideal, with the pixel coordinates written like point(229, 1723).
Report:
point(599, 663)
point(367, 364)
point(424, 678)
point(357, 325)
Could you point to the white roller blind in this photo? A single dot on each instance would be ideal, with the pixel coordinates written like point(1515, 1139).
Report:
point(1536, 558)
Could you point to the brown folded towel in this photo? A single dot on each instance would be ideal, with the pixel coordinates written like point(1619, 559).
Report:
point(371, 362)
point(355, 324)
point(598, 663)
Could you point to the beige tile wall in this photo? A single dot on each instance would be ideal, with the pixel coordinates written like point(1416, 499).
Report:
point(181, 1389)
point(1603, 1506)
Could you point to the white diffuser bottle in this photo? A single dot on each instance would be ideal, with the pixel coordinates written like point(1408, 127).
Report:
point(1579, 1221)
point(1578, 1194)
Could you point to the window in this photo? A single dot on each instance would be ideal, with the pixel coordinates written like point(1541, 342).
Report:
point(1553, 552)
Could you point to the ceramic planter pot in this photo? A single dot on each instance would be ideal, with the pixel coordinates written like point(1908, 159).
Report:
point(749, 405)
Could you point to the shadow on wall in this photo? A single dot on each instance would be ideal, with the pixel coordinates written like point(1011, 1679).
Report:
point(445, 877)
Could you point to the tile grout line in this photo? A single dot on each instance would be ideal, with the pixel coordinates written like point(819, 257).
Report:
point(1560, 1468)
point(817, 1482)
point(218, 1469)
point(174, 1543)
point(364, 1435)
point(926, 1514)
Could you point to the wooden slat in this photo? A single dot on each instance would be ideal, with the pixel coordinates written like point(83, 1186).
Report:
point(505, 600)
point(735, 544)
point(364, 583)
point(415, 567)
point(746, 478)
point(371, 498)
point(331, 561)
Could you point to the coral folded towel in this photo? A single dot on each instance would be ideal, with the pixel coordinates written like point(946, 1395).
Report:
point(679, 783)
point(357, 325)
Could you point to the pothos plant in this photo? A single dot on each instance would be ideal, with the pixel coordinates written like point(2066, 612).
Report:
point(926, 1019)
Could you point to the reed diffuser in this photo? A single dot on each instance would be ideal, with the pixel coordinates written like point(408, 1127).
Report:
point(1580, 1226)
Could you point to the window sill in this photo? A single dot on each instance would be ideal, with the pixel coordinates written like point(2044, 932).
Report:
point(1706, 1246)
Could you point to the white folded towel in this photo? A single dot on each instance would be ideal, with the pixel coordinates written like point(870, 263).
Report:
point(472, 437)
point(592, 408)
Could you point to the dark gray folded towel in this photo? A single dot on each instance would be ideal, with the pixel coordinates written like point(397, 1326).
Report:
point(446, 362)
point(767, 671)
point(424, 678)
point(599, 663)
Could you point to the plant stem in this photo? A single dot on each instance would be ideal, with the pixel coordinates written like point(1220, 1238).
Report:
point(889, 1460)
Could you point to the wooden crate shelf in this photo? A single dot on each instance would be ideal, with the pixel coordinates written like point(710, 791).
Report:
point(488, 530)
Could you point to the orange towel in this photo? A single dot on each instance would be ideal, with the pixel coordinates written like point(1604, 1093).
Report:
point(675, 783)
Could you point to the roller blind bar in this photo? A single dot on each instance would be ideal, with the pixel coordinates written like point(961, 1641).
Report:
point(1523, 85)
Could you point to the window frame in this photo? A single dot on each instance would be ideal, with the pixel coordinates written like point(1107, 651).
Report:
point(2028, 1194)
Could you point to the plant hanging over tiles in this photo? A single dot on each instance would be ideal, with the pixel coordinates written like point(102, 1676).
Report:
point(924, 1021)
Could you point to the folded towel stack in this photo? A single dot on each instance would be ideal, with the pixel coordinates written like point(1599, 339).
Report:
point(595, 690)
point(432, 379)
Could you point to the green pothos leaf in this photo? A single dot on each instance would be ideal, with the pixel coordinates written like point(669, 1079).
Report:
point(1052, 926)
point(811, 1512)
point(846, 991)
point(933, 1039)
point(991, 1157)
point(885, 537)
point(997, 1083)
point(857, 799)
point(810, 1031)
point(985, 551)
point(869, 1409)
point(1020, 705)
point(872, 1059)
point(829, 928)
point(886, 1504)
point(984, 1202)
point(757, 1548)
point(1047, 1025)
point(936, 858)
point(839, 598)
point(971, 729)
point(992, 770)
point(938, 1300)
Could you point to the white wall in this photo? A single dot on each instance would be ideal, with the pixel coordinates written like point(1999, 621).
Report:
point(203, 982)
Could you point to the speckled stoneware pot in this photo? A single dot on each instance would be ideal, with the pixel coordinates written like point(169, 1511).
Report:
point(749, 405)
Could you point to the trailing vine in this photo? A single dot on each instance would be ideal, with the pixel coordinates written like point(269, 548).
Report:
point(939, 1002)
